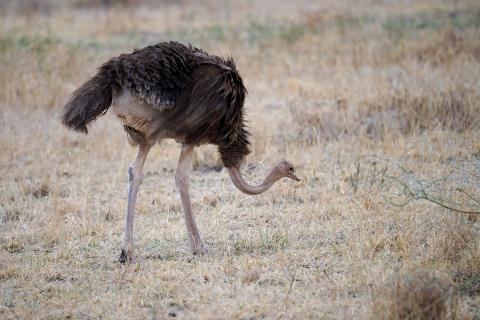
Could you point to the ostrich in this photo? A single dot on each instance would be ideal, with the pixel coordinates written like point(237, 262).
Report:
point(170, 90)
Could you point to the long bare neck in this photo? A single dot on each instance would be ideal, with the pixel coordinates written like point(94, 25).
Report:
point(243, 186)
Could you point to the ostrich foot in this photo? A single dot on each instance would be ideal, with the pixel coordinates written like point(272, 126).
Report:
point(126, 256)
point(199, 249)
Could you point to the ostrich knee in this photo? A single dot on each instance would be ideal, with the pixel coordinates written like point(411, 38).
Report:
point(135, 177)
point(181, 181)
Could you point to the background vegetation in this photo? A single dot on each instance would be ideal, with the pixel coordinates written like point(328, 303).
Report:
point(377, 102)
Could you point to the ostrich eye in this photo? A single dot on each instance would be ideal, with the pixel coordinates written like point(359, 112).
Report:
point(290, 169)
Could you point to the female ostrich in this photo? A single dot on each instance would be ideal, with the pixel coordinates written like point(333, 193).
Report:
point(170, 90)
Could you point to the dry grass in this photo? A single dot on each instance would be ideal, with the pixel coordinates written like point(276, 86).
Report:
point(416, 295)
point(327, 83)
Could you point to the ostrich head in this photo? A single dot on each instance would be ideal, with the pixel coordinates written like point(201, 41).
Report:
point(284, 169)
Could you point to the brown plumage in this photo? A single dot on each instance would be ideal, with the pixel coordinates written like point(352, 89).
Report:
point(200, 96)
point(170, 90)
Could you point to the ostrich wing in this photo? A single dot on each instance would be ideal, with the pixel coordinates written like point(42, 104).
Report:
point(157, 74)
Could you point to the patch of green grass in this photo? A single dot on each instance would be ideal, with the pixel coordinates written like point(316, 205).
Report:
point(198, 37)
point(292, 33)
point(215, 32)
point(409, 26)
point(346, 22)
point(37, 43)
point(465, 21)
point(252, 33)
point(268, 242)
point(272, 241)
point(257, 32)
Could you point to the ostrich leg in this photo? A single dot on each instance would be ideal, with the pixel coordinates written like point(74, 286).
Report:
point(135, 177)
point(182, 181)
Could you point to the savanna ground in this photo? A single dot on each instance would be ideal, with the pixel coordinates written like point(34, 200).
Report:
point(377, 103)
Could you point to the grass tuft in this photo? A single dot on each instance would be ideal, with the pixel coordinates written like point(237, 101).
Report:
point(416, 294)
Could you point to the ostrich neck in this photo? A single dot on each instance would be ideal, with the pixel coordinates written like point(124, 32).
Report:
point(243, 186)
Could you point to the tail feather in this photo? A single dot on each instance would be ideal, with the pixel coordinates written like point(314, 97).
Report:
point(91, 100)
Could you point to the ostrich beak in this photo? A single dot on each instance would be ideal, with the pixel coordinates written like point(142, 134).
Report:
point(293, 176)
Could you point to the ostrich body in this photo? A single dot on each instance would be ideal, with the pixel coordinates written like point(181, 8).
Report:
point(170, 90)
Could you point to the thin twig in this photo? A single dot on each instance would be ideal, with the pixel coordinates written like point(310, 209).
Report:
point(419, 191)
point(468, 195)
